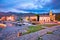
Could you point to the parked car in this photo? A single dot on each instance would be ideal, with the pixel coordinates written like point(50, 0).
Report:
point(27, 24)
point(19, 24)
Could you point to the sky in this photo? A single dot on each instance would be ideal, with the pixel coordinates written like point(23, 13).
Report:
point(30, 6)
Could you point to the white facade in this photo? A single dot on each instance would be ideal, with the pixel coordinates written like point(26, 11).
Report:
point(44, 19)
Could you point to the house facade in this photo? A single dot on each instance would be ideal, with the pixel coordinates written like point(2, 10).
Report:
point(42, 18)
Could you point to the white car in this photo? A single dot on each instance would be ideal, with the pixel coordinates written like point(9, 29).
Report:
point(27, 23)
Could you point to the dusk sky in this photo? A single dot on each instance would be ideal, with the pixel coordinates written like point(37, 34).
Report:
point(30, 6)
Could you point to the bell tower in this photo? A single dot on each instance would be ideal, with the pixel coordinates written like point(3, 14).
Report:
point(52, 17)
point(50, 14)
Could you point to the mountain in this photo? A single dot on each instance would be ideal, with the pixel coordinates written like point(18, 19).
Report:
point(22, 14)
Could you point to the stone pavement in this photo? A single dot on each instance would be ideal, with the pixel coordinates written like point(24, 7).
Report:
point(11, 34)
point(34, 36)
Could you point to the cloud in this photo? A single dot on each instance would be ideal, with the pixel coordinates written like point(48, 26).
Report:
point(27, 6)
point(36, 6)
point(13, 10)
point(56, 10)
point(33, 4)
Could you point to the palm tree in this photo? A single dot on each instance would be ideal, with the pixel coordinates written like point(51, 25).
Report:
point(37, 17)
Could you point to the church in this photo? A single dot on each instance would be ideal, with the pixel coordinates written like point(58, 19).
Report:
point(42, 18)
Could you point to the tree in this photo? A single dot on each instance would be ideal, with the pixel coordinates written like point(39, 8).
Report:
point(58, 17)
point(21, 19)
point(37, 17)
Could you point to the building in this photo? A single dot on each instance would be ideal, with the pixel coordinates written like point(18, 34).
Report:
point(30, 17)
point(42, 18)
point(8, 18)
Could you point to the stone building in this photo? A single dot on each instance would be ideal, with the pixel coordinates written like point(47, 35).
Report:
point(42, 18)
